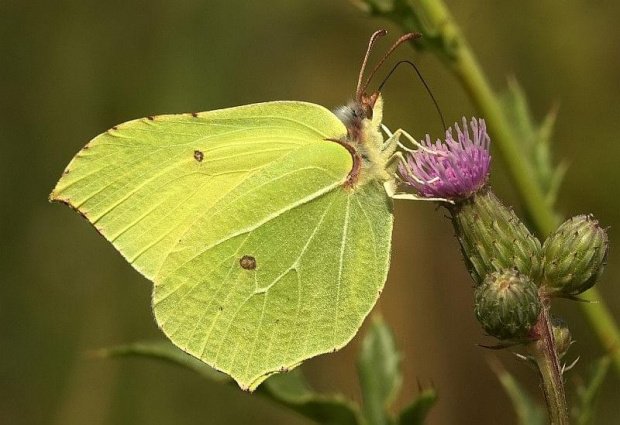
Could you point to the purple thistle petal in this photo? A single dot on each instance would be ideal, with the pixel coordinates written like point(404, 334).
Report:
point(455, 169)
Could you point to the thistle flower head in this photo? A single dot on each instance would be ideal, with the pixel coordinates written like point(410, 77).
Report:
point(454, 169)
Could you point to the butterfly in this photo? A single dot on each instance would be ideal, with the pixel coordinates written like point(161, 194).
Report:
point(265, 228)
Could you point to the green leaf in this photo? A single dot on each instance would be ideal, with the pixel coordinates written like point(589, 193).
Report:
point(379, 372)
point(163, 351)
point(416, 412)
point(288, 389)
point(535, 139)
point(292, 390)
point(248, 224)
point(528, 411)
point(587, 393)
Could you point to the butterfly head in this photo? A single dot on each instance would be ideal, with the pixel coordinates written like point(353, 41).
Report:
point(366, 110)
point(362, 117)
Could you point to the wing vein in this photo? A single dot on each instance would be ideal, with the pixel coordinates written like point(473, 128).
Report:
point(343, 243)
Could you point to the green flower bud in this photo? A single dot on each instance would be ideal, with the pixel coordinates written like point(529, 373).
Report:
point(574, 256)
point(561, 335)
point(507, 305)
point(492, 237)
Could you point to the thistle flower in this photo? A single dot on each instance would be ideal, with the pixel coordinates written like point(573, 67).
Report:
point(453, 170)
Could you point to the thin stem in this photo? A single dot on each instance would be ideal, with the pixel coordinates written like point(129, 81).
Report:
point(442, 35)
point(544, 353)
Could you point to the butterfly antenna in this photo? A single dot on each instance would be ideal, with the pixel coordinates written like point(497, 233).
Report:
point(428, 89)
point(373, 39)
point(401, 40)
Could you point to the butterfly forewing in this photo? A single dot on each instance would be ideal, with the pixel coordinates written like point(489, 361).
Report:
point(144, 183)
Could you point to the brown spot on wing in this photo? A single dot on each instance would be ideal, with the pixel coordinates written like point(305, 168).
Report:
point(195, 114)
point(247, 262)
point(198, 155)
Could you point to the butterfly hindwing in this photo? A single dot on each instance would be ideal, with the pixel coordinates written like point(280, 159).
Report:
point(316, 271)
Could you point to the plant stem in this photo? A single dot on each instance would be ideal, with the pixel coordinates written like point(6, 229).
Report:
point(544, 353)
point(444, 38)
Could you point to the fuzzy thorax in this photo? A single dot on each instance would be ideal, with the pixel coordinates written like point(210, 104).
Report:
point(365, 138)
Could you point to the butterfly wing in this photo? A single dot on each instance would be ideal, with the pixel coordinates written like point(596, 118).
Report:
point(260, 257)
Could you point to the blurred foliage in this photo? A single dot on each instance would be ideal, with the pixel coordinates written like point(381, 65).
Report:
point(379, 370)
point(288, 389)
point(528, 411)
point(70, 70)
point(584, 409)
point(380, 373)
point(535, 139)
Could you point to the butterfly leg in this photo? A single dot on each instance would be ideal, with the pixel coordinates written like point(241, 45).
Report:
point(398, 158)
point(389, 151)
point(393, 139)
point(426, 148)
point(413, 197)
point(391, 187)
point(391, 143)
point(392, 165)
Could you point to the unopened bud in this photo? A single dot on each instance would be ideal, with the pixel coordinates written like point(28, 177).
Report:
point(574, 256)
point(492, 237)
point(507, 305)
point(561, 335)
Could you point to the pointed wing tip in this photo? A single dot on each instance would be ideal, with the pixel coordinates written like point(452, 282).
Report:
point(54, 196)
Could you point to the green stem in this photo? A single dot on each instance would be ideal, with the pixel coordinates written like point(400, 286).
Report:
point(444, 38)
point(544, 353)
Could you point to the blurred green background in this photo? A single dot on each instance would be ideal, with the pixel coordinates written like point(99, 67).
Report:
point(71, 69)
